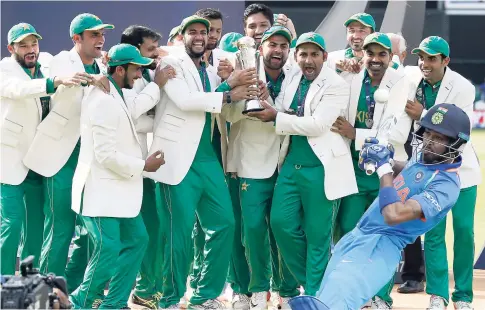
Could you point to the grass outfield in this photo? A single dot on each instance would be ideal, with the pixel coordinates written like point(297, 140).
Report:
point(478, 139)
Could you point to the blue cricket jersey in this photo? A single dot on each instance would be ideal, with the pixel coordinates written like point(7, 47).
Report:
point(435, 187)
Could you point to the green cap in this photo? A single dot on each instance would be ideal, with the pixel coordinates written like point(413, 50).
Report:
point(20, 31)
point(277, 30)
point(121, 54)
point(228, 42)
point(378, 38)
point(311, 37)
point(87, 21)
point(433, 46)
point(363, 18)
point(173, 33)
point(192, 20)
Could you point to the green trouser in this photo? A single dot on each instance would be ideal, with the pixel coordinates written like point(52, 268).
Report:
point(204, 192)
point(119, 247)
point(21, 217)
point(262, 255)
point(59, 218)
point(464, 251)
point(198, 237)
point(149, 280)
point(239, 274)
point(82, 251)
point(301, 219)
point(351, 209)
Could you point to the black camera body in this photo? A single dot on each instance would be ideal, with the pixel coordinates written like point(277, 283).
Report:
point(30, 290)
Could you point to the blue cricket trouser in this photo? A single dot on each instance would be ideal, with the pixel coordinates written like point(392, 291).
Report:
point(360, 266)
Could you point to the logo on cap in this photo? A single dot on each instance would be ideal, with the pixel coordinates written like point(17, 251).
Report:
point(437, 118)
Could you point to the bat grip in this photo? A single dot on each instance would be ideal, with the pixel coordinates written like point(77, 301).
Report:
point(370, 168)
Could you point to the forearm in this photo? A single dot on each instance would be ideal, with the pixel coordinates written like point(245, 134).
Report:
point(393, 210)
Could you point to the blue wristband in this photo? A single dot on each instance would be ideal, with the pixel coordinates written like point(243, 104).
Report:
point(387, 196)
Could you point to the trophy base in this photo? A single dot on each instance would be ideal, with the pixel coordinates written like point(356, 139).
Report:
point(252, 110)
point(252, 106)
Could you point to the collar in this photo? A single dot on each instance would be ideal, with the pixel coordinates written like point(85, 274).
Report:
point(36, 71)
point(116, 86)
point(280, 76)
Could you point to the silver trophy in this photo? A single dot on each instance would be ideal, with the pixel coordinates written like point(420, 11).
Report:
point(248, 57)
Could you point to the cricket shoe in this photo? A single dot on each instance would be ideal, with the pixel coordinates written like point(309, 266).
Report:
point(240, 302)
point(211, 304)
point(259, 301)
point(283, 303)
point(380, 304)
point(436, 303)
point(463, 305)
point(149, 303)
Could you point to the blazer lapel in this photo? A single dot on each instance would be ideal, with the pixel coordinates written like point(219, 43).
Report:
point(189, 65)
point(388, 80)
point(119, 99)
point(22, 74)
point(355, 88)
point(76, 60)
point(291, 89)
point(315, 87)
point(446, 87)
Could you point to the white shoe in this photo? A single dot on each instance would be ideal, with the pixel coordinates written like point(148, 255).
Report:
point(259, 301)
point(240, 302)
point(176, 306)
point(283, 303)
point(463, 305)
point(436, 303)
point(211, 304)
point(380, 304)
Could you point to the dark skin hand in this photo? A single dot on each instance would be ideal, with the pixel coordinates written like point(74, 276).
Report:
point(414, 109)
point(343, 128)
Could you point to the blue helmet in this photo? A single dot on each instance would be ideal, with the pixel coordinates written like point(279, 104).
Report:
point(449, 120)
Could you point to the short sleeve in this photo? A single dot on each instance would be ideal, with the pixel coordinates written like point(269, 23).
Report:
point(439, 196)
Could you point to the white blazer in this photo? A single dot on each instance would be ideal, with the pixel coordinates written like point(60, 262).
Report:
point(399, 91)
point(108, 175)
point(21, 114)
point(59, 132)
point(334, 57)
point(180, 118)
point(254, 146)
point(326, 100)
point(142, 97)
point(457, 90)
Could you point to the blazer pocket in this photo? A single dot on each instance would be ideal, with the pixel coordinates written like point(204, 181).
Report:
point(167, 133)
point(10, 133)
point(53, 125)
point(340, 148)
point(173, 121)
point(105, 174)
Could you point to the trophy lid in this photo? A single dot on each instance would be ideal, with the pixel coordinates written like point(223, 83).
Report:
point(246, 42)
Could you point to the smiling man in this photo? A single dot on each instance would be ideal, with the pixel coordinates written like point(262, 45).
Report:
point(315, 164)
point(363, 120)
point(55, 148)
point(25, 94)
point(436, 82)
point(358, 26)
point(109, 182)
point(193, 181)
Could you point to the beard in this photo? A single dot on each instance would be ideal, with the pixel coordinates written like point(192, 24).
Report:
point(23, 63)
point(126, 83)
point(210, 46)
point(193, 54)
point(267, 63)
point(153, 65)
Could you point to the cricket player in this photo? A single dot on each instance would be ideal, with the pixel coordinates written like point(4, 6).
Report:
point(436, 82)
point(359, 26)
point(407, 206)
point(146, 93)
point(257, 146)
point(193, 178)
point(316, 164)
point(55, 149)
point(363, 120)
point(109, 181)
point(25, 92)
point(175, 38)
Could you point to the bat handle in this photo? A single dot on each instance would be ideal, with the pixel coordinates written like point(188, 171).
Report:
point(370, 168)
